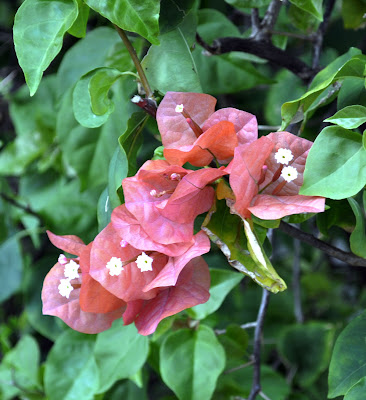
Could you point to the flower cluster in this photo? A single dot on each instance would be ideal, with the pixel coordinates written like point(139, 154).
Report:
point(146, 264)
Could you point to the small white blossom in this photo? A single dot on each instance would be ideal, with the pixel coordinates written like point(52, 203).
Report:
point(289, 174)
point(284, 156)
point(115, 266)
point(153, 193)
point(144, 262)
point(179, 108)
point(175, 177)
point(136, 99)
point(62, 259)
point(65, 288)
point(123, 243)
point(71, 270)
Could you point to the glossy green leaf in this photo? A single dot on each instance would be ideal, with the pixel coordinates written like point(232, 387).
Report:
point(170, 66)
point(222, 282)
point(173, 13)
point(352, 13)
point(335, 167)
point(304, 21)
point(191, 361)
point(350, 117)
point(100, 83)
point(313, 7)
point(72, 354)
point(23, 360)
point(11, 267)
point(235, 341)
point(357, 392)
point(78, 28)
point(357, 239)
point(118, 169)
point(139, 16)
point(104, 210)
point(352, 92)
point(38, 43)
point(351, 64)
point(130, 357)
point(348, 363)
point(131, 140)
point(316, 341)
point(86, 55)
point(226, 230)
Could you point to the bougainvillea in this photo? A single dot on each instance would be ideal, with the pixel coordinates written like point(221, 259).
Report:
point(146, 264)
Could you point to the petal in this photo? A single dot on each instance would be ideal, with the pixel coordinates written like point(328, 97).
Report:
point(191, 289)
point(274, 207)
point(129, 229)
point(129, 283)
point(93, 297)
point(245, 124)
point(169, 274)
point(189, 153)
point(132, 311)
point(246, 169)
point(69, 243)
point(68, 309)
point(174, 130)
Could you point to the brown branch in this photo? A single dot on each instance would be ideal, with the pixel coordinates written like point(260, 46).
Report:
point(260, 48)
point(15, 203)
point(332, 251)
point(269, 20)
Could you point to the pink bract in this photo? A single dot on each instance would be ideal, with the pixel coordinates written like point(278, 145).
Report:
point(165, 207)
point(254, 186)
point(222, 130)
point(191, 289)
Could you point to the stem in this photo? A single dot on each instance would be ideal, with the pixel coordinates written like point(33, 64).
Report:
point(15, 203)
point(136, 61)
point(256, 385)
point(332, 251)
point(296, 274)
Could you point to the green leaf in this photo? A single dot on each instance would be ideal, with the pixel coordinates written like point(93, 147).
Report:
point(357, 392)
point(86, 55)
point(78, 28)
point(104, 210)
point(352, 13)
point(352, 92)
point(235, 341)
point(24, 363)
point(172, 13)
point(226, 230)
point(126, 361)
point(38, 43)
point(170, 66)
point(71, 371)
point(350, 117)
point(317, 339)
point(139, 16)
point(313, 7)
point(358, 236)
point(118, 169)
point(191, 361)
point(131, 140)
point(11, 267)
point(351, 64)
point(222, 282)
point(348, 363)
point(304, 21)
point(335, 167)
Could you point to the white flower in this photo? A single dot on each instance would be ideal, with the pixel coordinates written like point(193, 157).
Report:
point(289, 174)
point(144, 262)
point(175, 177)
point(123, 243)
point(62, 259)
point(284, 156)
point(153, 193)
point(71, 270)
point(115, 266)
point(65, 288)
point(179, 108)
point(136, 99)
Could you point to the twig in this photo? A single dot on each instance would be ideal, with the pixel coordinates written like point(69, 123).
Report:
point(318, 42)
point(272, 128)
point(260, 48)
point(244, 326)
point(296, 273)
point(15, 203)
point(254, 16)
point(265, 397)
point(256, 385)
point(248, 364)
point(269, 20)
point(136, 61)
point(332, 251)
